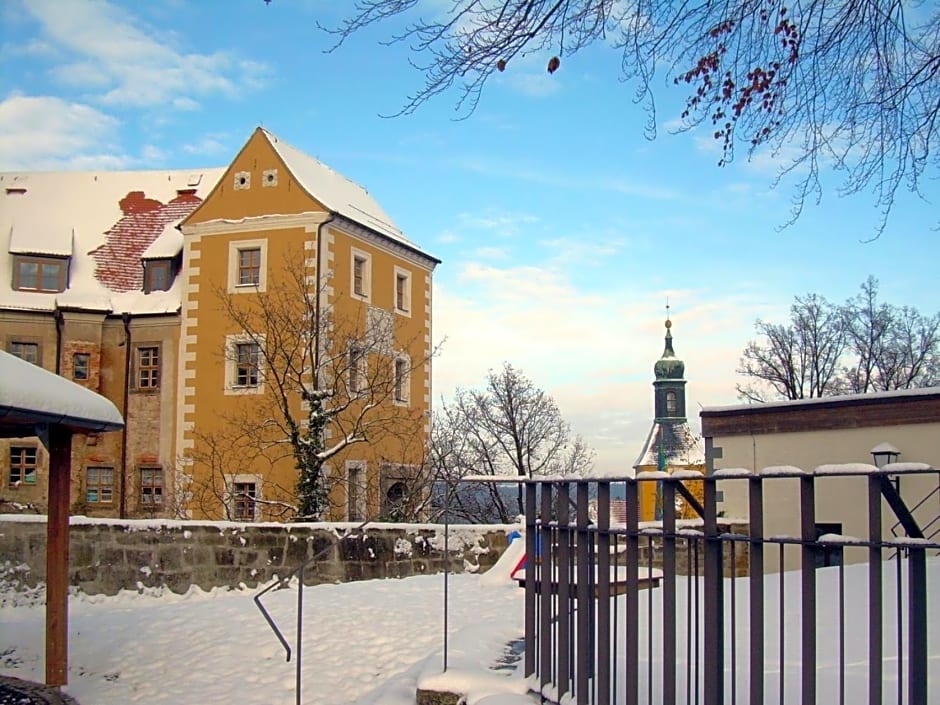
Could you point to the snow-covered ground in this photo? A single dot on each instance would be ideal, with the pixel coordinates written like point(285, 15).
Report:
point(373, 642)
point(367, 640)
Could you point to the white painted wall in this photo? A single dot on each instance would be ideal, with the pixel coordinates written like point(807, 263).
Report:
point(838, 499)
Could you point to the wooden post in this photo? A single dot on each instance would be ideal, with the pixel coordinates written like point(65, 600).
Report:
point(57, 556)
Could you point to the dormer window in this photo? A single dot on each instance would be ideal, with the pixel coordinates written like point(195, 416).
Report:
point(39, 273)
point(158, 275)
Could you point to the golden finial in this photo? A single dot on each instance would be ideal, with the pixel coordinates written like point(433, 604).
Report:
point(668, 322)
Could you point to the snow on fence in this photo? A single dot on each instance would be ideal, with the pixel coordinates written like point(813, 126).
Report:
point(711, 636)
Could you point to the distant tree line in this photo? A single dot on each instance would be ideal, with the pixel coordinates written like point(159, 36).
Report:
point(864, 345)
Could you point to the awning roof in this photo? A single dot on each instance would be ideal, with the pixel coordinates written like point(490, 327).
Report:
point(30, 395)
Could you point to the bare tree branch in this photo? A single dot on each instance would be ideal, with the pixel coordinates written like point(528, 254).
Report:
point(818, 84)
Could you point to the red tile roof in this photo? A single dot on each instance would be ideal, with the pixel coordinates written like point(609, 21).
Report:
point(118, 264)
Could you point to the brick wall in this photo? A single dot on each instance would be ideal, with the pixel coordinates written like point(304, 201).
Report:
point(107, 556)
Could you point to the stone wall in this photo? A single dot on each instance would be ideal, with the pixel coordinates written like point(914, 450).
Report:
point(107, 556)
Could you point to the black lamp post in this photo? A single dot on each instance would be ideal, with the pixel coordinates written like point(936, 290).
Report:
point(885, 454)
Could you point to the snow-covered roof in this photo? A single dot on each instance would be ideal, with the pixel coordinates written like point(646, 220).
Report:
point(836, 400)
point(169, 243)
point(335, 191)
point(31, 395)
point(103, 222)
point(680, 446)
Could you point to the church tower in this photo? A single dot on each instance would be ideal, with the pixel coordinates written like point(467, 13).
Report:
point(671, 445)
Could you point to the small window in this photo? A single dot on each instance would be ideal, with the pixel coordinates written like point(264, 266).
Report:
point(46, 274)
point(355, 491)
point(359, 276)
point(244, 495)
point(247, 260)
point(148, 367)
point(22, 465)
point(158, 275)
point(249, 266)
point(81, 364)
point(361, 283)
point(247, 356)
point(671, 403)
point(99, 485)
point(356, 369)
point(401, 381)
point(402, 290)
point(151, 486)
point(25, 351)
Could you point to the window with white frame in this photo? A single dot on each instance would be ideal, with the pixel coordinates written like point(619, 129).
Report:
point(402, 291)
point(356, 368)
point(361, 274)
point(356, 489)
point(247, 266)
point(244, 495)
point(401, 380)
point(244, 372)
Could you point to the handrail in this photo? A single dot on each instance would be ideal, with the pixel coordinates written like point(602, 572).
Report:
point(284, 582)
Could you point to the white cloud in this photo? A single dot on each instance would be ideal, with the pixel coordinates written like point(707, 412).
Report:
point(125, 63)
point(209, 145)
point(51, 133)
point(594, 352)
point(532, 84)
point(497, 253)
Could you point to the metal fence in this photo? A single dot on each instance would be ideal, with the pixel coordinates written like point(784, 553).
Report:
point(594, 635)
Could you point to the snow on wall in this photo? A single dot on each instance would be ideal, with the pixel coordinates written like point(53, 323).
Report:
point(107, 556)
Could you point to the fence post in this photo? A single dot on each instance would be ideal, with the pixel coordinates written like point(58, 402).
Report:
point(545, 574)
point(584, 573)
point(714, 600)
point(565, 645)
point(669, 591)
point(531, 541)
point(808, 588)
point(632, 597)
point(917, 680)
point(603, 593)
point(874, 592)
point(756, 585)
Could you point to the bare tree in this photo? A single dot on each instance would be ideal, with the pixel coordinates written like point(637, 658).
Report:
point(510, 427)
point(862, 346)
point(799, 360)
point(328, 383)
point(893, 348)
point(827, 82)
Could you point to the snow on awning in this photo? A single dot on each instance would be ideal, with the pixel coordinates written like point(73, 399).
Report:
point(168, 244)
point(29, 236)
point(30, 395)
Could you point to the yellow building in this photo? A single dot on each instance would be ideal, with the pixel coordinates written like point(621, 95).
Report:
point(190, 298)
point(284, 246)
point(671, 444)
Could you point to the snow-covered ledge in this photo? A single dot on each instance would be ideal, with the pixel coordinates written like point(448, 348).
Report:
point(108, 555)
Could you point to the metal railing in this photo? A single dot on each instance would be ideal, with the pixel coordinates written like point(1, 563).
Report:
point(702, 635)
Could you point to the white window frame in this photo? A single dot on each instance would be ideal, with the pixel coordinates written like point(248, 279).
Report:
point(405, 399)
point(362, 369)
point(366, 259)
point(402, 274)
point(363, 498)
point(231, 364)
point(234, 248)
point(243, 478)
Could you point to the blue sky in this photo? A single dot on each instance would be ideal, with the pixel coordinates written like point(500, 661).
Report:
point(562, 230)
